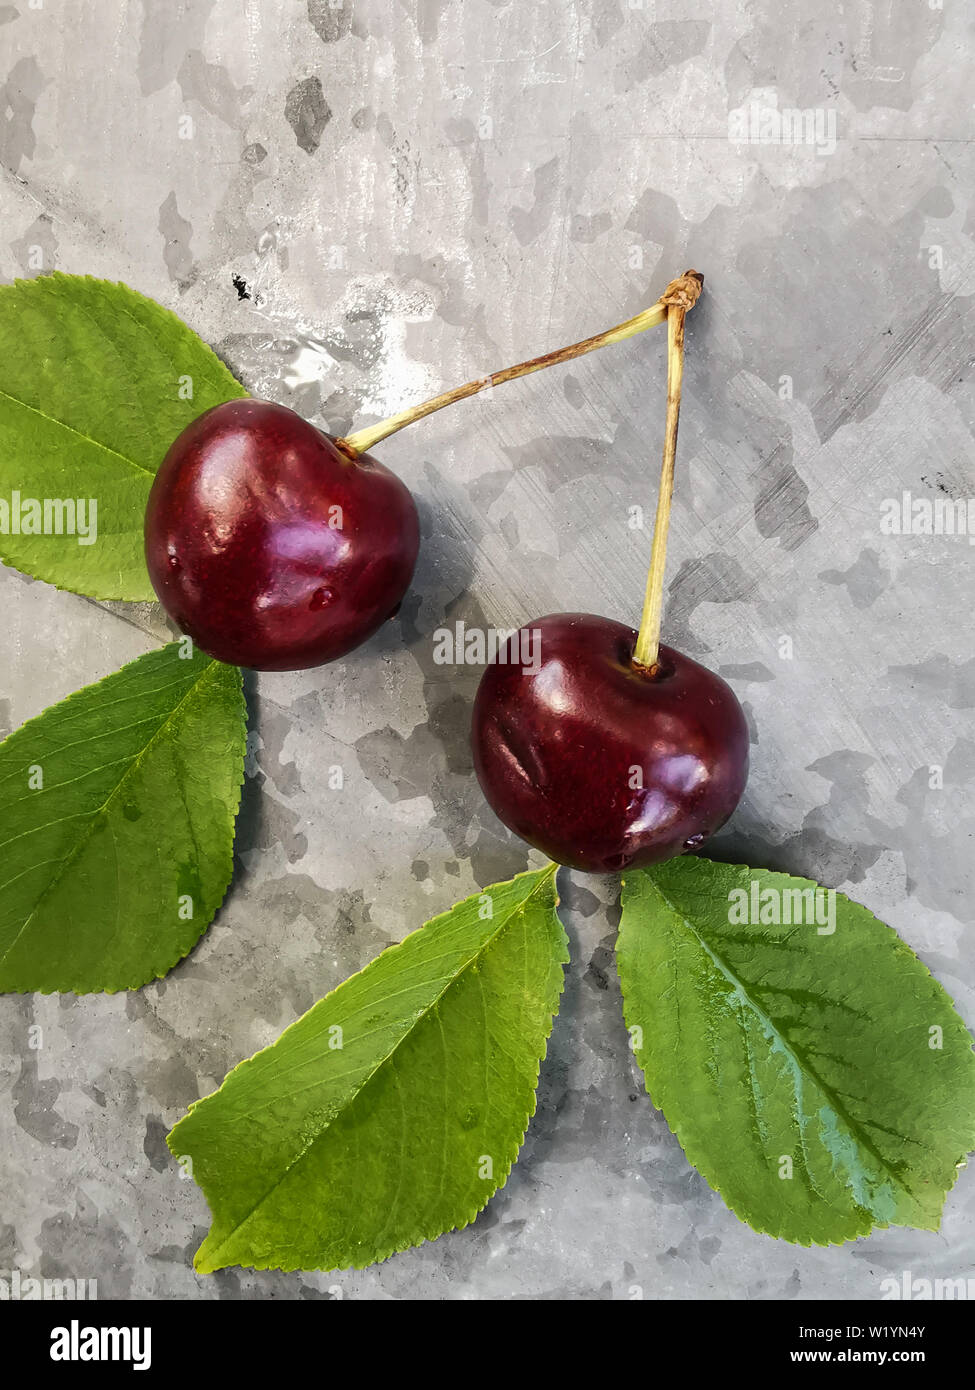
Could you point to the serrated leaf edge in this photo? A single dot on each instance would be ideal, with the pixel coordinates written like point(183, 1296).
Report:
point(753, 1225)
point(509, 1160)
point(156, 974)
point(147, 594)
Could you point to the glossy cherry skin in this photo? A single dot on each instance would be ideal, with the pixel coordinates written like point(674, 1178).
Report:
point(269, 546)
point(596, 763)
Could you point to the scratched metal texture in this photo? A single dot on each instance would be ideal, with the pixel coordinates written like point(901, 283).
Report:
point(359, 206)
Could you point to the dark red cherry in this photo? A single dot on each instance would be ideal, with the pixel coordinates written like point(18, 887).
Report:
point(270, 546)
point(594, 761)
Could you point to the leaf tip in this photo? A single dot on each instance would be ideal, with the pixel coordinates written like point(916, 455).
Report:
point(202, 1263)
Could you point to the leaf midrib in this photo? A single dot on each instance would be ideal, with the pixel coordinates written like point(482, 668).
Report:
point(797, 1056)
point(79, 434)
point(517, 912)
point(92, 817)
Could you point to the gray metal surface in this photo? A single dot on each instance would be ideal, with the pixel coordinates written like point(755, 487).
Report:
point(410, 195)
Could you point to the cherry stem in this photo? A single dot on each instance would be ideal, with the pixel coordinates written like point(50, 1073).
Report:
point(686, 289)
point(647, 647)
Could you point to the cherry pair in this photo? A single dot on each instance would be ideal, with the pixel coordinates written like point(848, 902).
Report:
point(277, 547)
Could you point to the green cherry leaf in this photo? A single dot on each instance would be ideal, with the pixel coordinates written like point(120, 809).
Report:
point(813, 1070)
point(117, 810)
point(393, 1109)
point(96, 382)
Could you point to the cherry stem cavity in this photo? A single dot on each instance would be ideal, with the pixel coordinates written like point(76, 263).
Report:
point(680, 296)
point(687, 289)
